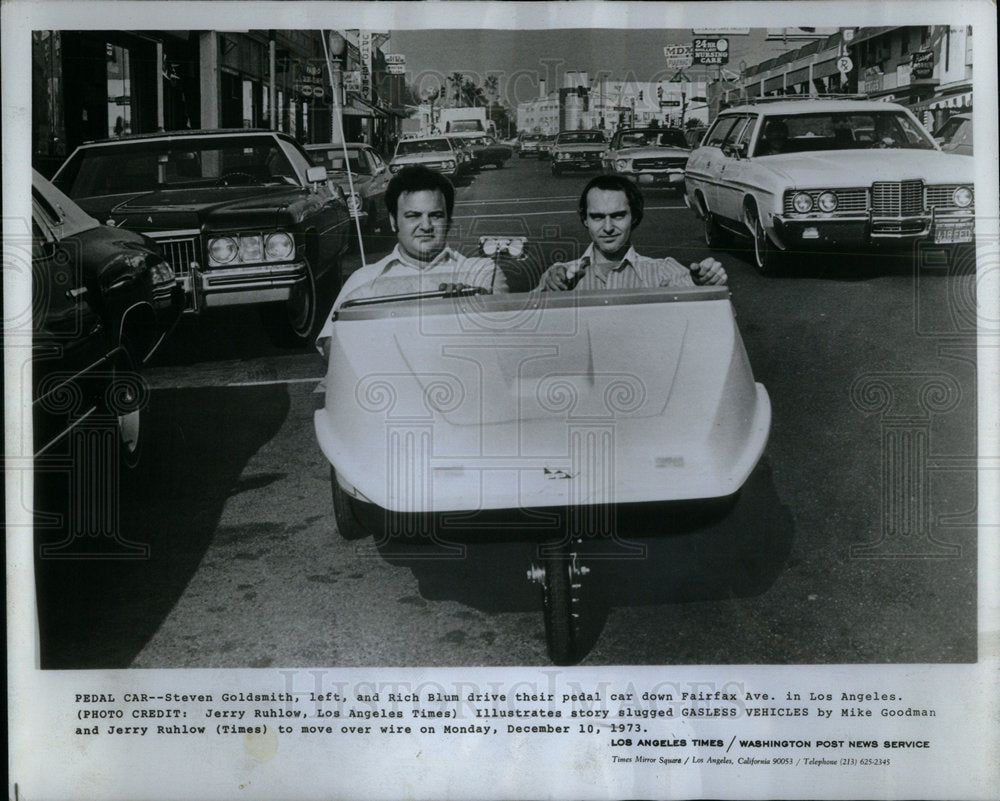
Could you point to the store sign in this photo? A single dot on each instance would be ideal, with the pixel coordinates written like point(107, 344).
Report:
point(873, 80)
point(395, 58)
point(922, 65)
point(720, 31)
point(352, 80)
point(678, 56)
point(395, 69)
point(711, 51)
point(365, 48)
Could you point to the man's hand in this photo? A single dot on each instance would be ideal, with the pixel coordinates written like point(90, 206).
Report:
point(708, 272)
point(557, 277)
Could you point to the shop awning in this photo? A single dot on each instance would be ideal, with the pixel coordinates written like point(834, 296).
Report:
point(358, 107)
point(962, 100)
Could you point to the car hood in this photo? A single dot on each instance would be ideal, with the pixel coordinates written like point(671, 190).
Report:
point(339, 177)
point(215, 207)
point(861, 167)
point(652, 152)
point(581, 147)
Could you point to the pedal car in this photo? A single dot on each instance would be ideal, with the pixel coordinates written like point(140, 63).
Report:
point(518, 404)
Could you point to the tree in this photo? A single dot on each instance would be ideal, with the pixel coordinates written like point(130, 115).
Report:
point(457, 80)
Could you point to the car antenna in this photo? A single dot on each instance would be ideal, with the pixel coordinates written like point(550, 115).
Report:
point(337, 112)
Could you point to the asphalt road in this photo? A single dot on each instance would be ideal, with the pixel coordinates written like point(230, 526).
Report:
point(853, 542)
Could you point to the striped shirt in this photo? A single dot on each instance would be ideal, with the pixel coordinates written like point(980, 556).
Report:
point(632, 272)
point(397, 274)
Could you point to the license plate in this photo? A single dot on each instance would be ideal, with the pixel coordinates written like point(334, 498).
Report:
point(950, 233)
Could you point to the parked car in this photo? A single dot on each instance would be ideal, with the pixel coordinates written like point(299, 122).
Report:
point(529, 145)
point(369, 174)
point(649, 156)
point(467, 164)
point(103, 299)
point(577, 150)
point(822, 174)
point(486, 150)
point(545, 146)
point(955, 135)
point(433, 152)
point(242, 216)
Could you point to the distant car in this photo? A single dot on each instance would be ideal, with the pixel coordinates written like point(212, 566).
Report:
point(955, 135)
point(649, 156)
point(529, 145)
point(821, 174)
point(369, 174)
point(434, 152)
point(486, 150)
point(467, 164)
point(103, 299)
point(545, 146)
point(577, 150)
point(242, 216)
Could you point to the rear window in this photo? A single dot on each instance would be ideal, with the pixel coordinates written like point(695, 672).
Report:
point(410, 147)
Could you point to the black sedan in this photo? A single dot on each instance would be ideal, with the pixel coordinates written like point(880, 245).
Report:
point(369, 177)
point(243, 217)
point(102, 301)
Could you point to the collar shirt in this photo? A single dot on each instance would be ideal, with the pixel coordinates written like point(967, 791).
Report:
point(632, 272)
point(396, 273)
point(448, 267)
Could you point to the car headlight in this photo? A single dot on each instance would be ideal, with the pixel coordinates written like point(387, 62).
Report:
point(161, 273)
point(279, 247)
point(449, 165)
point(827, 201)
point(962, 197)
point(622, 164)
point(222, 250)
point(802, 202)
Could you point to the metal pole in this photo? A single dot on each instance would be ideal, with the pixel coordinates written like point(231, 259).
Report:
point(159, 86)
point(273, 81)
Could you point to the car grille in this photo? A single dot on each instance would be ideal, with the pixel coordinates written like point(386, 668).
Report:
point(940, 196)
point(848, 200)
point(179, 252)
point(897, 198)
point(658, 164)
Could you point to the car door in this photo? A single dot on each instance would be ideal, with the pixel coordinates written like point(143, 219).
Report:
point(331, 222)
point(704, 164)
point(733, 166)
point(380, 178)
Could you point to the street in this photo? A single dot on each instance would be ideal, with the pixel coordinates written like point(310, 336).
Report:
point(853, 541)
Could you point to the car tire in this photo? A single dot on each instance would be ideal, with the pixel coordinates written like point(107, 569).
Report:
point(293, 323)
point(348, 525)
point(556, 171)
point(715, 235)
point(766, 257)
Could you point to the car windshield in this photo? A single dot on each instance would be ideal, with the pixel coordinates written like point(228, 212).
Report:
point(145, 166)
point(333, 159)
point(576, 137)
point(464, 126)
point(851, 130)
point(410, 147)
point(650, 137)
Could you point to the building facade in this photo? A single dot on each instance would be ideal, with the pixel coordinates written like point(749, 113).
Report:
point(89, 85)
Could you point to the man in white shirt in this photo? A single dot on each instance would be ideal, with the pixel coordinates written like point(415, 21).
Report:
point(420, 203)
point(611, 206)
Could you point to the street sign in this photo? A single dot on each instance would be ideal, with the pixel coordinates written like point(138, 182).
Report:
point(844, 64)
point(677, 56)
point(395, 58)
point(395, 69)
point(711, 51)
point(669, 103)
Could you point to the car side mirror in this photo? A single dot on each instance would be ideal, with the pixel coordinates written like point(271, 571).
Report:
point(316, 175)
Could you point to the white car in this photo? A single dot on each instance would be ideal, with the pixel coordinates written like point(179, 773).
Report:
point(819, 175)
point(434, 152)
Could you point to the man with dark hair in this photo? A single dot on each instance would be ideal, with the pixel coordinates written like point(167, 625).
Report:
point(420, 203)
point(610, 207)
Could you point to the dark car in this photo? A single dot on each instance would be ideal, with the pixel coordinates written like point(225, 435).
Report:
point(243, 217)
point(369, 174)
point(955, 135)
point(102, 301)
point(577, 150)
point(486, 150)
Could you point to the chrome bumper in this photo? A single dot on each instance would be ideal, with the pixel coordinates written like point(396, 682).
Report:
point(238, 286)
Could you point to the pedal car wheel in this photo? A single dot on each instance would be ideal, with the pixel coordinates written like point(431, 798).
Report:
point(348, 525)
point(561, 602)
point(766, 257)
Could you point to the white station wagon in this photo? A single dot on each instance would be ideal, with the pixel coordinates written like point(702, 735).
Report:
point(813, 175)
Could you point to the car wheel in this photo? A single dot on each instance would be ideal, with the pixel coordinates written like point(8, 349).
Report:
point(292, 324)
point(715, 236)
point(498, 165)
point(348, 525)
point(561, 606)
point(766, 256)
